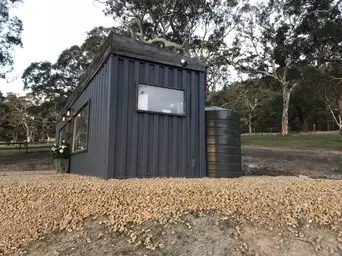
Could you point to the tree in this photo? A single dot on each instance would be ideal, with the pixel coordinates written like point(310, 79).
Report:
point(193, 28)
point(279, 39)
point(245, 97)
point(45, 115)
point(10, 35)
point(330, 92)
point(264, 46)
point(20, 115)
point(251, 96)
point(3, 109)
point(94, 41)
point(55, 82)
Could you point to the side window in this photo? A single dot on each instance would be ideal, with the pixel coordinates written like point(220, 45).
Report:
point(80, 130)
point(62, 134)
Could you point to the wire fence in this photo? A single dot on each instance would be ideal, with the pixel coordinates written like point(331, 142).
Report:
point(21, 151)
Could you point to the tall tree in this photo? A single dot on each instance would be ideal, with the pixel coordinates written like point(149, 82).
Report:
point(329, 81)
point(193, 28)
point(3, 109)
point(278, 40)
point(54, 82)
point(10, 35)
point(20, 114)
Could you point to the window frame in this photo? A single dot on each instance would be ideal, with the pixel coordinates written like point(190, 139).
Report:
point(85, 105)
point(157, 112)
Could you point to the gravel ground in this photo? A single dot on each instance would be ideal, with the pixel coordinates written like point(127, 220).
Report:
point(36, 203)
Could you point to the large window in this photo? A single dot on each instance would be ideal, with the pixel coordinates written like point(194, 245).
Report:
point(80, 132)
point(160, 100)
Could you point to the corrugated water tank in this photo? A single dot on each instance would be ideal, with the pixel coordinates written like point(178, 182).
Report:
point(223, 143)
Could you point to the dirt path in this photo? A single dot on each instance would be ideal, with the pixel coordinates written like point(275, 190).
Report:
point(316, 163)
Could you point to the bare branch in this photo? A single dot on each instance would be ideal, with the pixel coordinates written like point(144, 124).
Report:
point(326, 11)
point(166, 43)
point(334, 116)
point(274, 75)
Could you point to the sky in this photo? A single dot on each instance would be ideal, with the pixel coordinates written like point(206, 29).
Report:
point(50, 26)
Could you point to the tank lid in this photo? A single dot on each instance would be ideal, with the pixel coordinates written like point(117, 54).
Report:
point(211, 108)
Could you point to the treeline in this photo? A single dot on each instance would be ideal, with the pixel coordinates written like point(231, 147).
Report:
point(286, 56)
point(33, 117)
point(313, 107)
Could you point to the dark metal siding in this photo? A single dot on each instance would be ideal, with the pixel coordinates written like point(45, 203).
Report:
point(155, 145)
point(94, 162)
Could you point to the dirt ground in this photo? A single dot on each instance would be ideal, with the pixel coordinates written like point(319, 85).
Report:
point(315, 163)
point(199, 235)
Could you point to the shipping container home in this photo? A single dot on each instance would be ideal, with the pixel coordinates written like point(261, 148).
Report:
point(137, 112)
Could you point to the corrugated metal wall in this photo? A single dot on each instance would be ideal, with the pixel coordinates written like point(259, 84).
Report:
point(155, 145)
point(94, 162)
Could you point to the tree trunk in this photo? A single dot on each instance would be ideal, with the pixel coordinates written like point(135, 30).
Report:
point(285, 116)
point(337, 117)
point(250, 123)
point(28, 136)
point(340, 115)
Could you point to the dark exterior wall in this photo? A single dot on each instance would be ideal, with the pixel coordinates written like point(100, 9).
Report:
point(155, 145)
point(94, 162)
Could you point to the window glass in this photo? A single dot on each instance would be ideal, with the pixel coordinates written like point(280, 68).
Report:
point(62, 134)
point(159, 99)
point(80, 131)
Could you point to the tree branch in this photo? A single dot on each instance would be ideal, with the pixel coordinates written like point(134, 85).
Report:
point(333, 114)
point(166, 43)
point(267, 74)
point(326, 11)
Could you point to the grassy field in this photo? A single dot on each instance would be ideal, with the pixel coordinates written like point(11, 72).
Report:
point(325, 141)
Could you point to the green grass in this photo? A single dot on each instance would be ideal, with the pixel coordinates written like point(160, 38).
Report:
point(324, 141)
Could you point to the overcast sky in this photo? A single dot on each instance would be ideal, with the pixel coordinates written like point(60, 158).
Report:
point(50, 26)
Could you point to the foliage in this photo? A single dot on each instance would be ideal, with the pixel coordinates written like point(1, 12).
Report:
point(281, 39)
point(194, 28)
point(52, 83)
point(24, 120)
point(307, 110)
point(55, 82)
point(61, 150)
point(10, 35)
point(288, 55)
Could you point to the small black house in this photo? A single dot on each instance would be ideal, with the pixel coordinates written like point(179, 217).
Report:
point(137, 112)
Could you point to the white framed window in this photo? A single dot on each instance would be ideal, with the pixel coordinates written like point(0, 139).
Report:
point(160, 100)
point(80, 129)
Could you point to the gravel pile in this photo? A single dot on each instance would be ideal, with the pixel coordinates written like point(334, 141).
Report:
point(33, 204)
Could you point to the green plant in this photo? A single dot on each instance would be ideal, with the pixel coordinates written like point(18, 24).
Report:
point(61, 151)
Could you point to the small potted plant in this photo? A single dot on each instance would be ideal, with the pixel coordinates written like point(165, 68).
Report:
point(61, 154)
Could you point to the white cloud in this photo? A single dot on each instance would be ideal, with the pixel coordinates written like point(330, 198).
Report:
point(50, 26)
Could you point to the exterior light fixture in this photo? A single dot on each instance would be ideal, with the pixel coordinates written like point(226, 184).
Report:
point(63, 118)
point(184, 62)
point(68, 113)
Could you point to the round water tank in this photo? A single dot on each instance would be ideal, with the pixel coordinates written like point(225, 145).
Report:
point(223, 143)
